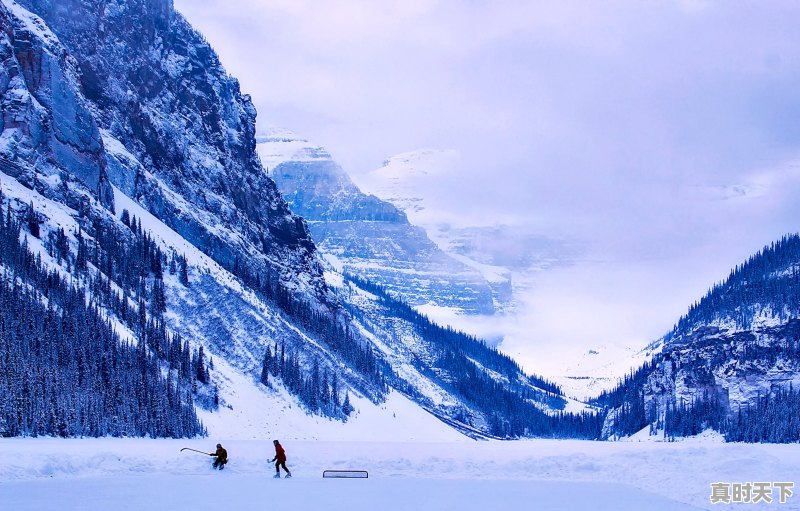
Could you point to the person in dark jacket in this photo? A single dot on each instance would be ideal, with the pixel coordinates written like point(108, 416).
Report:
point(280, 460)
point(222, 457)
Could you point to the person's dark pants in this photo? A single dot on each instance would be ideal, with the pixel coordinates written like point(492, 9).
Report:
point(279, 464)
point(218, 463)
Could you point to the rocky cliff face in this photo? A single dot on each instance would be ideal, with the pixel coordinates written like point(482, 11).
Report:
point(179, 133)
point(733, 367)
point(83, 163)
point(46, 124)
point(315, 186)
point(365, 235)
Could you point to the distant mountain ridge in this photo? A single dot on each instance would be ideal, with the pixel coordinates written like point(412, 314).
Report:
point(506, 255)
point(365, 235)
point(317, 188)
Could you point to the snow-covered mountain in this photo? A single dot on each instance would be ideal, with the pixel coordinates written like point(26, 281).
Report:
point(404, 178)
point(732, 363)
point(366, 236)
point(506, 254)
point(130, 176)
point(164, 123)
point(103, 124)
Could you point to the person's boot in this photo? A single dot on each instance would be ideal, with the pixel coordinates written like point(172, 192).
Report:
point(277, 476)
point(288, 475)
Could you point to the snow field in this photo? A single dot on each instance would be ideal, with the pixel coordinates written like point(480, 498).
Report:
point(214, 492)
point(538, 474)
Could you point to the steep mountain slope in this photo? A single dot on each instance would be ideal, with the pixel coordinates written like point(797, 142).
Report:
point(731, 363)
point(46, 123)
point(178, 133)
point(365, 235)
point(70, 208)
point(159, 214)
point(59, 145)
point(66, 370)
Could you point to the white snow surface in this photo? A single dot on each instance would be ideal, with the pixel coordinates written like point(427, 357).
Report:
point(128, 474)
point(255, 414)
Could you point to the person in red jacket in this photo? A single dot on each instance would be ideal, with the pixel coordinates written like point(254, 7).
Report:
point(280, 460)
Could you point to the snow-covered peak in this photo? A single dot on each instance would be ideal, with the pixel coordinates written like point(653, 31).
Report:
point(421, 162)
point(278, 145)
point(411, 181)
point(276, 133)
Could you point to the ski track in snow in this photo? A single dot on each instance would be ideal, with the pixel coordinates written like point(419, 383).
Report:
point(49, 473)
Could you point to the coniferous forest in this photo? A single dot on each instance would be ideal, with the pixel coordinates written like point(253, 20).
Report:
point(64, 370)
point(768, 280)
point(773, 417)
point(319, 390)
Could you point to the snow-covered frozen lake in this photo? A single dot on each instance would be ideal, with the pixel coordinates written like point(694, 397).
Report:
point(128, 474)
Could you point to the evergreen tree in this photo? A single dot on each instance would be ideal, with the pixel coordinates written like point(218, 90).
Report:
point(80, 259)
point(183, 276)
point(347, 408)
point(32, 219)
point(265, 367)
point(200, 367)
point(159, 300)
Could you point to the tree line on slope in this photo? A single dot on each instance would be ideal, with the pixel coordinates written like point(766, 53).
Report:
point(768, 281)
point(773, 417)
point(464, 364)
point(318, 389)
point(324, 322)
point(64, 370)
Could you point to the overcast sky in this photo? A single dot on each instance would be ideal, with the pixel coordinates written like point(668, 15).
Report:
point(663, 136)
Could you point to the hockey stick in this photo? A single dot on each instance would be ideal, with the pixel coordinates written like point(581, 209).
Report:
point(195, 450)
